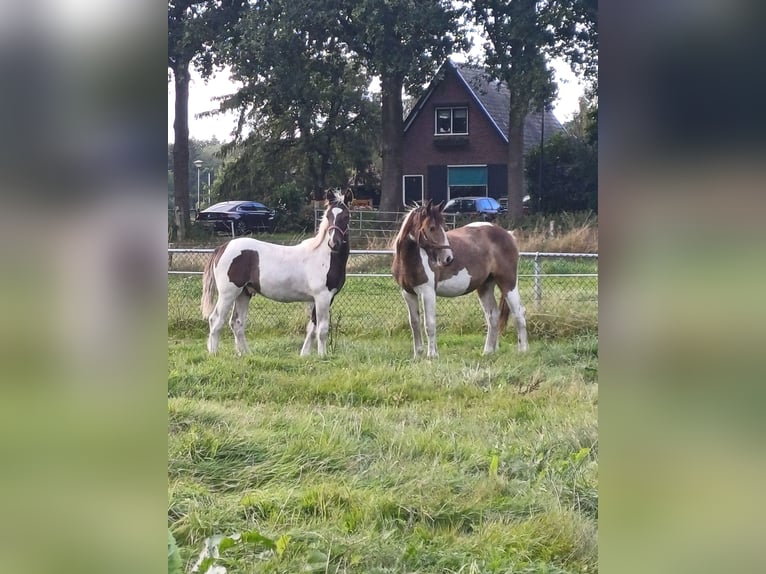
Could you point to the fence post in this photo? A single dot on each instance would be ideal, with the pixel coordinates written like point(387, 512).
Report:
point(538, 288)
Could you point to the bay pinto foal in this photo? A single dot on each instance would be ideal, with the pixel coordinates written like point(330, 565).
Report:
point(429, 261)
point(313, 271)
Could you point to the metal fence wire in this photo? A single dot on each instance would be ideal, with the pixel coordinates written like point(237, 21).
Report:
point(554, 287)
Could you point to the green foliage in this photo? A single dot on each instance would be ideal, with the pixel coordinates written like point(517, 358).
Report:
point(521, 37)
point(402, 42)
point(570, 176)
point(311, 122)
point(294, 213)
point(209, 152)
point(570, 167)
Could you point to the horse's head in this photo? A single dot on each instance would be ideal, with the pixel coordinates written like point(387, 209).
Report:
point(430, 233)
point(338, 217)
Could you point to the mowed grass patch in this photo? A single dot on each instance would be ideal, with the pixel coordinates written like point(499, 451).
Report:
point(372, 461)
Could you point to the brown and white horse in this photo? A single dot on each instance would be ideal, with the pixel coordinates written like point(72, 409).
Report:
point(429, 261)
point(313, 271)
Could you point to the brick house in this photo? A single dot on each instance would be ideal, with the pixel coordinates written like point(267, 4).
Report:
point(456, 137)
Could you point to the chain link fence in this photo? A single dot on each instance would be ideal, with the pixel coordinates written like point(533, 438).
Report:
point(373, 224)
point(559, 291)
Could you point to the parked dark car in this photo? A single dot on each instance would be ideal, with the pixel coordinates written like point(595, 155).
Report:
point(247, 216)
point(487, 207)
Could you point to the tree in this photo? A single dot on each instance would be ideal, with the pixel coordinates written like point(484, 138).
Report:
point(197, 32)
point(570, 166)
point(303, 99)
point(521, 36)
point(206, 150)
point(402, 42)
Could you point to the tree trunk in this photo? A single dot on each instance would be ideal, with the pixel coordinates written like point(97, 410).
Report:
point(393, 125)
point(181, 148)
point(515, 166)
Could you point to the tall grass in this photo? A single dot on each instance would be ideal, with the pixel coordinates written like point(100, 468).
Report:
point(564, 232)
point(370, 461)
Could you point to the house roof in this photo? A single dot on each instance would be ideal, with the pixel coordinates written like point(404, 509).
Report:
point(494, 99)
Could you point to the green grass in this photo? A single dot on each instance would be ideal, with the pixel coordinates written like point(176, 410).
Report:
point(373, 306)
point(371, 461)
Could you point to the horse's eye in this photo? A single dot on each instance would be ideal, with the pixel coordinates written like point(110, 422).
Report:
point(433, 228)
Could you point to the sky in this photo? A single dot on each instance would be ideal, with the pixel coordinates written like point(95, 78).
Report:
point(201, 96)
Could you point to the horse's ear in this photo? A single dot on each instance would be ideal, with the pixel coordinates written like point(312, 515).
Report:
point(440, 205)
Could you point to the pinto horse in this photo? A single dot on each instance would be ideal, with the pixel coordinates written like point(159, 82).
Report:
point(313, 271)
point(429, 261)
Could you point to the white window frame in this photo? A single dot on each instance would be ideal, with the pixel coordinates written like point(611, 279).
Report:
point(451, 120)
point(404, 190)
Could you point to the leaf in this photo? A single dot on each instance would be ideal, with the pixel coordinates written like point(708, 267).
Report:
point(205, 565)
point(174, 557)
point(282, 542)
point(256, 537)
point(226, 543)
point(494, 464)
point(580, 454)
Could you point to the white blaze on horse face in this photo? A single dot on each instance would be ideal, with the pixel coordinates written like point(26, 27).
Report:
point(444, 256)
point(336, 211)
point(455, 285)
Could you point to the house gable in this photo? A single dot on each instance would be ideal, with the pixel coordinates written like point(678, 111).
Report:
point(431, 155)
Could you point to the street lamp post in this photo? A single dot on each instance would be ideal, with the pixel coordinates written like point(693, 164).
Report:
point(198, 164)
point(209, 199)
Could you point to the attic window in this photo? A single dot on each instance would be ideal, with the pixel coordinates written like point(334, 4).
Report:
point(451, 121)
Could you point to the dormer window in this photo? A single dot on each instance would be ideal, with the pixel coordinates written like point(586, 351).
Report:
point(453, 120)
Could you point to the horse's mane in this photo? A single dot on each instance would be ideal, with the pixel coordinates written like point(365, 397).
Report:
point(405, 228)
point(316, 241)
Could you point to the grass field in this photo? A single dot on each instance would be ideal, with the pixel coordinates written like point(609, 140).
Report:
point(369, 461)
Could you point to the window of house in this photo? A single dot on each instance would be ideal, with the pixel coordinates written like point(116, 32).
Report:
point(452, 120)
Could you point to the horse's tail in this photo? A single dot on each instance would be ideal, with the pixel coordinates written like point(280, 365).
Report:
point(208, 284)
point(505, 312)
point(505, 309)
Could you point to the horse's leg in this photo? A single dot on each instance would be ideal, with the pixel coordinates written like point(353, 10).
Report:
point(491, 314)
point(310, 328)
point(226, 297)
point(514, 302)
point(429, 308)
point(413, 308)
point(238, 322)
point(322, 307)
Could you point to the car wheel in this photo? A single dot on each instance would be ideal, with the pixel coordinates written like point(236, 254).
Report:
point(240, 228)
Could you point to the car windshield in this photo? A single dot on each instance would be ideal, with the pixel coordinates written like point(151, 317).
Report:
point(223, 206)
